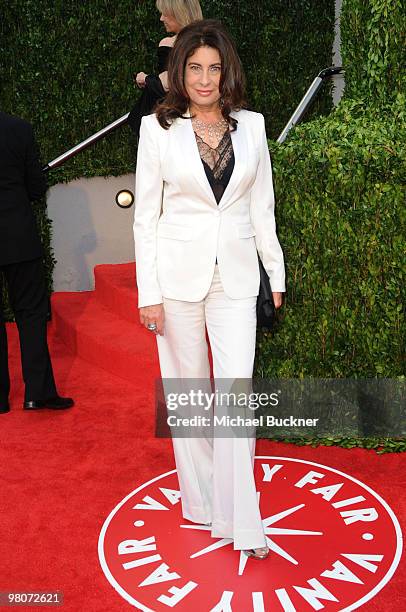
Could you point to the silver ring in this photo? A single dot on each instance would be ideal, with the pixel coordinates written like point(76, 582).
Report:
point(151, 326)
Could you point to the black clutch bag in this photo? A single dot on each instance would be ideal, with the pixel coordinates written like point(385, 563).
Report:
point(265, 305)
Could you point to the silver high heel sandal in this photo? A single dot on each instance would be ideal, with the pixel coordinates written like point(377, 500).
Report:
point(257, 553)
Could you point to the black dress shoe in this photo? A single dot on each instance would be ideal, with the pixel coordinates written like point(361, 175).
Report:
point(55, 403)
point(5, 408)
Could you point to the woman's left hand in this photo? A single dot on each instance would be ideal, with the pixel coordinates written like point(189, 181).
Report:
point(277, 299)
point(140, 79)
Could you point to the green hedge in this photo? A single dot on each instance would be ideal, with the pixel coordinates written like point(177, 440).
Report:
point(341, 220)
point(373, 42)
point(341, 215)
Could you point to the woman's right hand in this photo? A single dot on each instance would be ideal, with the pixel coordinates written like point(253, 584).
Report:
point(277, 299)
point(153, 314)
point(139, 79)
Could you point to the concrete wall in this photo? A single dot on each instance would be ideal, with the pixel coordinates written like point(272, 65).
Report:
point(89, 228)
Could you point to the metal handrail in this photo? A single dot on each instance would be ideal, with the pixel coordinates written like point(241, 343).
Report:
point(294, 119)
point(61, 159)
point(307, 99)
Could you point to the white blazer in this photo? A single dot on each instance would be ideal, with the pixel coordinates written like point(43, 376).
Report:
point(179, 229)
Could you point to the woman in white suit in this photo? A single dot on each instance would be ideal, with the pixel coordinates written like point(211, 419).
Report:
point(204, 206)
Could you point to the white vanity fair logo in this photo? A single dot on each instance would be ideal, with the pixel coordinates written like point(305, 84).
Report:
point(334, 545)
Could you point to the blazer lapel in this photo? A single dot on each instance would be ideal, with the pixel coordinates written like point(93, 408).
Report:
point(239, 141)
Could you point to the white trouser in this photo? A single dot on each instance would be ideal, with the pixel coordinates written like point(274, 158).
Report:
point(215, 475)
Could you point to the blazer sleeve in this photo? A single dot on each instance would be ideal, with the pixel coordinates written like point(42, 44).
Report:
point(34, 179)
point(262, 215)
point(148, 200)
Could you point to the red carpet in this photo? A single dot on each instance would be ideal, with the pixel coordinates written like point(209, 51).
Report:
point(63, 473)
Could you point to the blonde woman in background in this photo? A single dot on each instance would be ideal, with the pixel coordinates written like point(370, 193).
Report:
point(175, 15)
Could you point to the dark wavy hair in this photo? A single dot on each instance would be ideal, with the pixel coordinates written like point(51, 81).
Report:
point(203, 33)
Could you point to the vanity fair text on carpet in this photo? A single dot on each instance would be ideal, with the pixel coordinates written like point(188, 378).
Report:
point(349, 565)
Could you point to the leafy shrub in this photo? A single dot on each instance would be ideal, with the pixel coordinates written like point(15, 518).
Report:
point(341, 219)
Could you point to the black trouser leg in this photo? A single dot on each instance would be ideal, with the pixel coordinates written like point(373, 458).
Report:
point(4, 374)
point(29, 300)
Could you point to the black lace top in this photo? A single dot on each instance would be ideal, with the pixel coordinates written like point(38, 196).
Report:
point(218, 163)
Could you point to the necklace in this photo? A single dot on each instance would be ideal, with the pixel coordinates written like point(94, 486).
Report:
point(210, 132)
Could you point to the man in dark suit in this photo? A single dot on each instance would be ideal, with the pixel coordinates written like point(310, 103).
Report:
point(21, 182)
